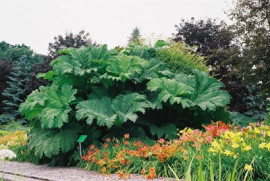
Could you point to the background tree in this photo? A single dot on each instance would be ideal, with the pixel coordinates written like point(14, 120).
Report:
point(5, 71)
point(13, 53)
point(10, 56)
point(252, 26)
point(67, 41)
point(16, 91)
point(60, 42)
point(135, 36)
point(215, 41)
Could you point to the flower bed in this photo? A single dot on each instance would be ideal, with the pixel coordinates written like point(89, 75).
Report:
point(219, 151)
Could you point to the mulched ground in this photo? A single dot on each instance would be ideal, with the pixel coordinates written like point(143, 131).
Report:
point(11, 171)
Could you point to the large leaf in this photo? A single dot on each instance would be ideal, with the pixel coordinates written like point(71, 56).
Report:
point(82, 61)
point(34, 103)
point(207, 94)
point(168, 130)
point(109, 112)
point(126, 107)
point(55, 114)
point(99, 109)
point(241, 119)
point(170, 90)
point(151, 70)
point(124, 67)
point(51, 142)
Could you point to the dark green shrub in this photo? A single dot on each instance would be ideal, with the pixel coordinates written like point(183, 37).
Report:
point(101, 93)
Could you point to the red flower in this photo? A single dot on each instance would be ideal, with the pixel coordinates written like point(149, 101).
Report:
point(161, 140)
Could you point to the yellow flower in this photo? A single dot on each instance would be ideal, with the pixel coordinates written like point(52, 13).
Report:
point(228, 135)
point(256, 130)
point(228, 153)
point(215, 144)
point(248, 167)
point(234, 145)
point(247, 148)
point(212, 150)
point(262, 145)
point(268, 133)
point(267, 146)
point(235, 156)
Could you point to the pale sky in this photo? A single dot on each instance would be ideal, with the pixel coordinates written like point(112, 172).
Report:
point(36, 22)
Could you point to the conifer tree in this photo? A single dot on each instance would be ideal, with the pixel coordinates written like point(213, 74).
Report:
point(135, 36)
point(16, 91)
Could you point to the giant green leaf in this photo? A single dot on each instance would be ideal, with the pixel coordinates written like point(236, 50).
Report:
point(82, 61)
point(50, 105)
point(124, 67)
point(99, 109)
point(51, 142)
point(170, 90)
point(34, 103)
point(207, 94)
point(109, 112)
point(126, 106)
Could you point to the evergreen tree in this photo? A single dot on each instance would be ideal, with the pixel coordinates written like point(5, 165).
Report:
point(5, 70)
point(16, 91)
point(135, 36)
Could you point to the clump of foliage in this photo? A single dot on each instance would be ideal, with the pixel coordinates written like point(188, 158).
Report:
point(68, 41)
point(16, 91)
point(13, 53)
point(181, 59)
point(5, 71)
point(103, 93)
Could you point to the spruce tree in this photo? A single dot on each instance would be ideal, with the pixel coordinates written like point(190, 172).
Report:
point(16, 91)
point(135, 36)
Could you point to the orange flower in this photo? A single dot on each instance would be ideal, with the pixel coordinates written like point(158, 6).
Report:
point(101, 162)
point(92, 146)
point(152, 169)
point(127, 162)
point(126, 142)
point(126, 136)
point(121, 175)
point(105, 155)
point(198, 157)
point(108, 140)
point(122, 161)
point(143, 171)
point(22, 152)
point(105, 145)
point(116, 144)
point(134, 144)
point(103, 170)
